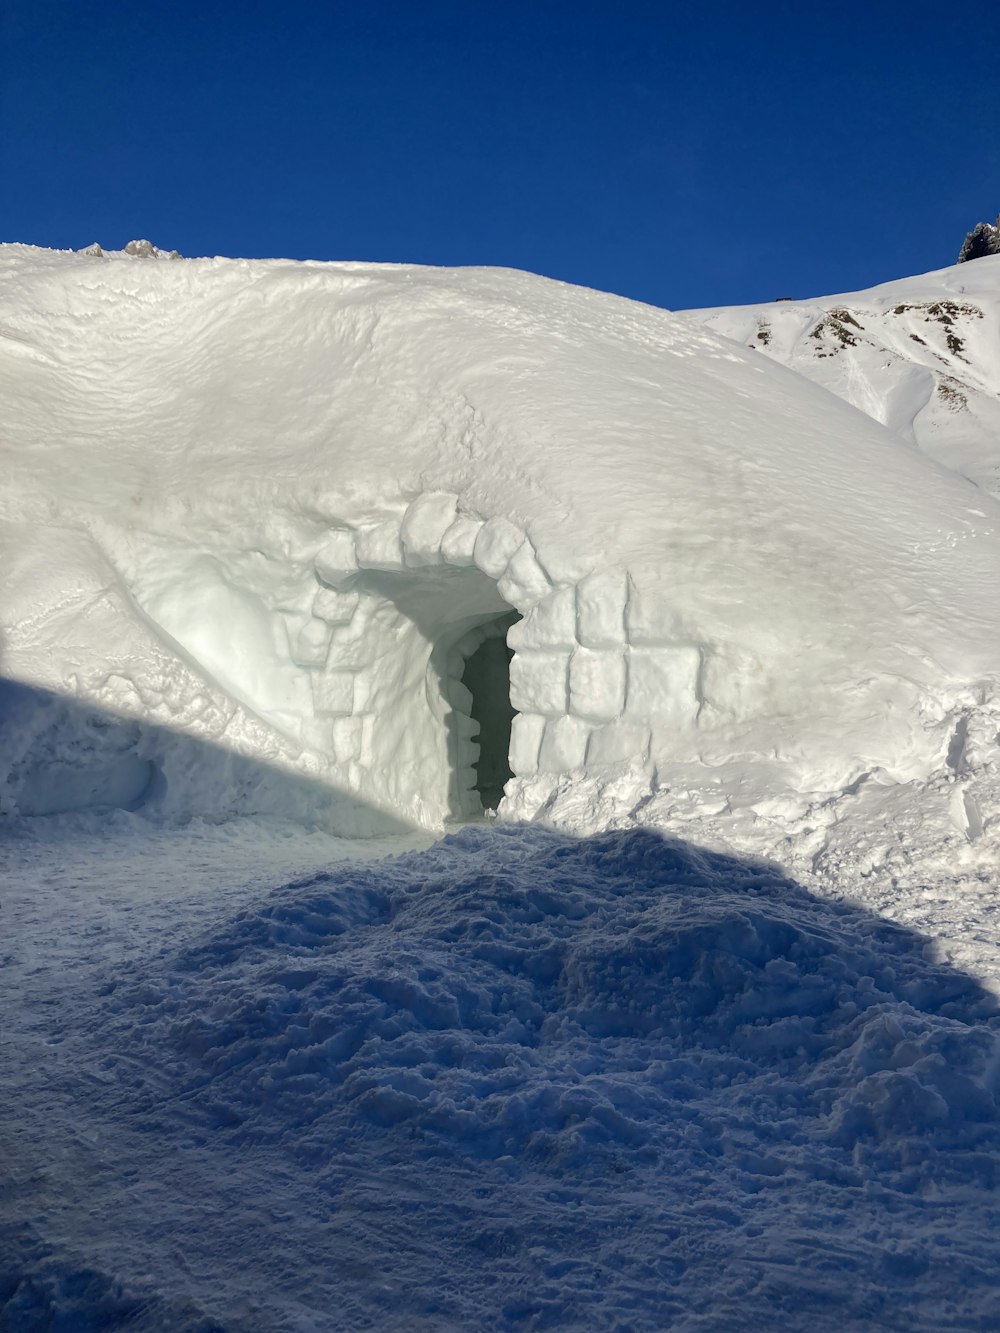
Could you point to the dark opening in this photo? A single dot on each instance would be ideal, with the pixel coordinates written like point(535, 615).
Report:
point(487, 678)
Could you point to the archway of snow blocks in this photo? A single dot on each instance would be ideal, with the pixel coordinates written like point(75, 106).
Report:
point(419, 658)
point(436, 635)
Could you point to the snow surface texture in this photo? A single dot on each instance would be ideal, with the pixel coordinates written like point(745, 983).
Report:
point(517, 1081)
point(257, 516)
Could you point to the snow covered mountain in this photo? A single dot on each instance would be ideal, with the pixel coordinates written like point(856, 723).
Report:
point(267, 519)
point(921, 355)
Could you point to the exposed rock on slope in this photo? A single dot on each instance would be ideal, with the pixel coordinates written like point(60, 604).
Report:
point(982, 240)
point(921, 355)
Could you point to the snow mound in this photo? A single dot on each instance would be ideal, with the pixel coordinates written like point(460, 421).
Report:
point(526, 1081)
point(413, 537)
point(433, 994)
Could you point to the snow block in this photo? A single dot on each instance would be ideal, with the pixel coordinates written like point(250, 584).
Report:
point(350, 648)
point(468, 644)
point(454, 665)
point(336, 608)
point(616, 742)
point(423, 528)
point(538, 683)
point(597, 683)
point(663, 683)
point(346, 737)
point(312, 644)
point(522, 583)
point(734, 681)
point(380, 547)
point(367, 739)
point(459, 696)
point(562, 560)
point(497, 542)
point(647, 620)
point(600, 610)
point(337, 558)
point(526, 734)
point(333, 692)
point(466, 728)
point(549, 624)
point(459, 543)
point(564, 745)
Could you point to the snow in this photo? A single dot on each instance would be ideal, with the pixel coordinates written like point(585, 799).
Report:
point(700, 1031)
point(918, 354)
point(307, 485)
point(516, 1080)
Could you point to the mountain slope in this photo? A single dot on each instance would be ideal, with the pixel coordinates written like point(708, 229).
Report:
point(921, 355)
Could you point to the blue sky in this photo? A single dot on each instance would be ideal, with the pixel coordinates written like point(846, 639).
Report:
point(683, 154)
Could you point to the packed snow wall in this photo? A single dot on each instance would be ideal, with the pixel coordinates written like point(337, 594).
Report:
point(261, 518)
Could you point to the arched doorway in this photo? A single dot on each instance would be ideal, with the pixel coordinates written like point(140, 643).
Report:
point(487, 678)
point(438, 688)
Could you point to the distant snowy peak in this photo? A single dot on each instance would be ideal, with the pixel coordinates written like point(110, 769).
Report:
point(982, 240)
point(921, 355)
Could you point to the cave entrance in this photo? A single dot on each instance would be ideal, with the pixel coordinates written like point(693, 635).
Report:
point(437, 689)
point(487, 678)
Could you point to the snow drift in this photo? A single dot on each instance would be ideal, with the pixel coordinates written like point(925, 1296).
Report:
point(280, 508)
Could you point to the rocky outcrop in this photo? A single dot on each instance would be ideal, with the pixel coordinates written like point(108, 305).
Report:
point(982, 240)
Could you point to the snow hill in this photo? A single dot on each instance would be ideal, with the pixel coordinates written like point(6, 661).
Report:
point(921, 355)
point(264, 520)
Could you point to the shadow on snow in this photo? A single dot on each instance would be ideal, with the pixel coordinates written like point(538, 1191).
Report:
point(525, 1081)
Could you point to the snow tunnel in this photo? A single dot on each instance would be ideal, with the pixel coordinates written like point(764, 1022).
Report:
point(432, 694)
point(487, 678)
